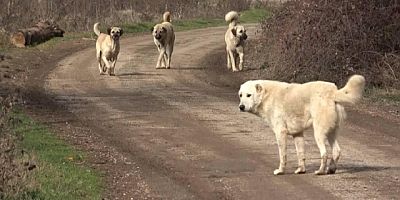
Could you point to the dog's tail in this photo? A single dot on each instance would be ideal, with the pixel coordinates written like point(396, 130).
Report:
point(232, 17)
point(352, 91)
point(166, 17)
point(96, 28)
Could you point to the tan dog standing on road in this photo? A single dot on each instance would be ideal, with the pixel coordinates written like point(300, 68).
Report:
point(107, 48)
point(234, 39)
point(289, 109)
point(164, 39)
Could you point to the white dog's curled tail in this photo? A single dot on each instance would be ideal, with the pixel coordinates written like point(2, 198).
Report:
point(232, 17)
point(96, 29)
point(352, 91)
point(166, 17)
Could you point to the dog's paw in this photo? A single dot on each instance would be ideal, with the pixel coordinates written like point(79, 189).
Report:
point(168, 67)
point(112, 74)
point(235, 70)
point(102, 73)
point(300, 170)
point(331, 171)
point(320, 172)
point(278, 172)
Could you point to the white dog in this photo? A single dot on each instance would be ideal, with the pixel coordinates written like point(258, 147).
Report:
point(289, 109)
point(164, 38)
point(107, 48)
point(234, 39)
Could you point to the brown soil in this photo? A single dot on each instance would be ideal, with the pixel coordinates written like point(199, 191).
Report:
point(178, 134)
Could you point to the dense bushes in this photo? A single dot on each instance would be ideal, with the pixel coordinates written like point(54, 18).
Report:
point(330, 40)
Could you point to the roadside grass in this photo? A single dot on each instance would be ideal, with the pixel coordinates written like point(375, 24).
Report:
point(248, 16)
point(378, 95)
point(57, 174)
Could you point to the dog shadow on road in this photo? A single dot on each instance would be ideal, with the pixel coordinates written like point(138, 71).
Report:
point(352, 168)
point(137, 74)
point(182, 68)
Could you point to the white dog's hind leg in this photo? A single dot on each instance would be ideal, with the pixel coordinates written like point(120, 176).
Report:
point(335, 150)
point(281, 138)
point(320, 138)
point(168, 57)
point(299, 142)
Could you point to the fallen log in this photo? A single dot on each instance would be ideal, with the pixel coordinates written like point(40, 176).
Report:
point(40, 32)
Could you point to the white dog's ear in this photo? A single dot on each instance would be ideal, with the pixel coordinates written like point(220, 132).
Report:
point(152, 29)
point(121, 32)
point(165, 30)
point(259, 88)
point(109, 31)
point(233, 31)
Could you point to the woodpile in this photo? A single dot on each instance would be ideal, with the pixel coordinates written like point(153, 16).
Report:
point(41, 32)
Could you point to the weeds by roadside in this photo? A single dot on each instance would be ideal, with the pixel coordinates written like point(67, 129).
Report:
point(248, 16)
point(36, 164)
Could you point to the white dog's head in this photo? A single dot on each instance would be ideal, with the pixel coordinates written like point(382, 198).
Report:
point(159, 32)
point(250, 95)
point(115, 32)
point(240, 32)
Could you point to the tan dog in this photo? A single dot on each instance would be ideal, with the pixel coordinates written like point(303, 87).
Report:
point(234, 39)
point(107, 48)
point(289, 109)
point(164, 39)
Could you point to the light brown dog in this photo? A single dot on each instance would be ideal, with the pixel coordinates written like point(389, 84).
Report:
point(164, 39)
point(107, 48)
point(234, 39)
point(290, 109)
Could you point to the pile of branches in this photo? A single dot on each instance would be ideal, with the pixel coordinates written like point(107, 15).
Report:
point(308, 40)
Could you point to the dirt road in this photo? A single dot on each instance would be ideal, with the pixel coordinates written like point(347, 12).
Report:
point(181, 136)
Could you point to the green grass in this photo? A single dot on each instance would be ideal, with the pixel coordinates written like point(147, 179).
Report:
point(56, 176)
point(249, 16)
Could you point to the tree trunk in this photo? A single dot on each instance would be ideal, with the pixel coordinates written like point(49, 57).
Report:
point(39, 33)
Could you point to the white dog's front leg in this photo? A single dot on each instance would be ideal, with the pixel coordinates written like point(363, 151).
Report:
point(160, 58)
point(112, 73)
point(281, 138)
point(164, 61)
point(107, 63)
point(241, 54)
point(229, 66)
point(232, 57)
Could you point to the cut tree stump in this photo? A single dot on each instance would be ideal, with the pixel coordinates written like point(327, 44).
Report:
point(41, 32)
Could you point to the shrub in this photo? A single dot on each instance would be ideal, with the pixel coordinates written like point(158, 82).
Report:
point(306, 40)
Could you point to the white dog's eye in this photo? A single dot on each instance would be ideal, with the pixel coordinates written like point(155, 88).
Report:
point(240, 95)
point(248, 95)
